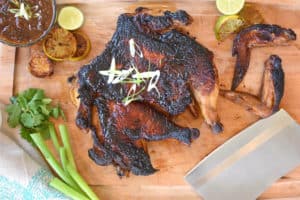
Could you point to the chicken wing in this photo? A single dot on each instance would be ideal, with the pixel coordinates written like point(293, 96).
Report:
point(256, 36)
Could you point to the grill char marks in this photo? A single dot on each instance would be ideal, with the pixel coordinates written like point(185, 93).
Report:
point(185, 66)
point(273, 83)
point(123, 126)
point(256, 36)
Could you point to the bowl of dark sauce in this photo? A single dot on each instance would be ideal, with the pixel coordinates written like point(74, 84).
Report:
point(25, 22)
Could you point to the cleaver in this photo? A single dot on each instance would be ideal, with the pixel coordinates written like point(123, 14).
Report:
point(247, 164)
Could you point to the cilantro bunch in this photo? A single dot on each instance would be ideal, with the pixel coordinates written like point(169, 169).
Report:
point(31, 109)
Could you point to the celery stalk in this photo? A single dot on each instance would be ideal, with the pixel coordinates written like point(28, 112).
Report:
point(64, 162)
point(39, 142)
point(53, 137)
point(82, 184)
point(63, 157)
point(66, 142)
point(65, 189)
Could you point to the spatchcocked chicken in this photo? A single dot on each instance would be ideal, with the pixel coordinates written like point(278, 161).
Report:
point(149, 71)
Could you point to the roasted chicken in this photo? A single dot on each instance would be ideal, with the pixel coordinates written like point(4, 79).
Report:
point(271, 93)
point(256, 36)
point(188, 78)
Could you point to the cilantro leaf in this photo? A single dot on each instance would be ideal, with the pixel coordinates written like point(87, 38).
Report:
point(28, 94)
point(46, 101)
point(22, 101)
point(34, 107)
point(13, 100)
point(45, 110)
point(44, 130)
point(38, 119)
point(39, 95)
point(55, 112)
point(62, 114)
point(25, 134)
point(31, 109)
point(27, 120)
point(14, 112)
point(58, 112)
point(33, 94)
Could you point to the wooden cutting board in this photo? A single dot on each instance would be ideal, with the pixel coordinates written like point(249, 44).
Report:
point(172, 158)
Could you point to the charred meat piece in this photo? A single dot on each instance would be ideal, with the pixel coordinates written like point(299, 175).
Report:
point(271, 91)
point(273, 83)
point(187, 74)
point(122, 126)
point(248, 102)
point(256, 36)
point(185, 66)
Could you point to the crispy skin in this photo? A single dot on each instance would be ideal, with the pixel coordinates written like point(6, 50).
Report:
point(271, 91)
point(185, 65)
point(273, 83)
point(187, 74)
point(256, 36)
point(123, 125)
point(248, 102)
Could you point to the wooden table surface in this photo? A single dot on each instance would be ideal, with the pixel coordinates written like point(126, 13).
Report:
point(172, 158)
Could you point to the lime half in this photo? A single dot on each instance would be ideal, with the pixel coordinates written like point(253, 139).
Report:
point(70, 18)
point(226, 25)
point(230, 7)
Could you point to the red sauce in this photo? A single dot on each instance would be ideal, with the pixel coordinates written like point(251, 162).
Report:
point(18, 30)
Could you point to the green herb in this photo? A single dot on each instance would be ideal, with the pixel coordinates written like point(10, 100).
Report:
point(23, 9)
point(132, 76)
point(133, 95)
point(31, 110)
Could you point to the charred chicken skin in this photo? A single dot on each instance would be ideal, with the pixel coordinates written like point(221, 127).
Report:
point(123, 126)
point(256, 36)
point(271, 93)
point(187, 75)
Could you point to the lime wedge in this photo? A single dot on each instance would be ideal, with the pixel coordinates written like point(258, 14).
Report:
point(226, 25)
point(230, 7)
point(70, 18)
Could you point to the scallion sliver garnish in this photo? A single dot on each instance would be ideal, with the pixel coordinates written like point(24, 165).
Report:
point(24, 10)
point(132, 76)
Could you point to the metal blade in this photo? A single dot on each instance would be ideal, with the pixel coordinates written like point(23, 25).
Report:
point(246, 165)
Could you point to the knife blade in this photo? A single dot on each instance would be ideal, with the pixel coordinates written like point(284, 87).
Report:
point(246, 165)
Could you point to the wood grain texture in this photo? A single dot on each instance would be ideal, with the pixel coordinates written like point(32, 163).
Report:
point(7, 64)
point(172, 158)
